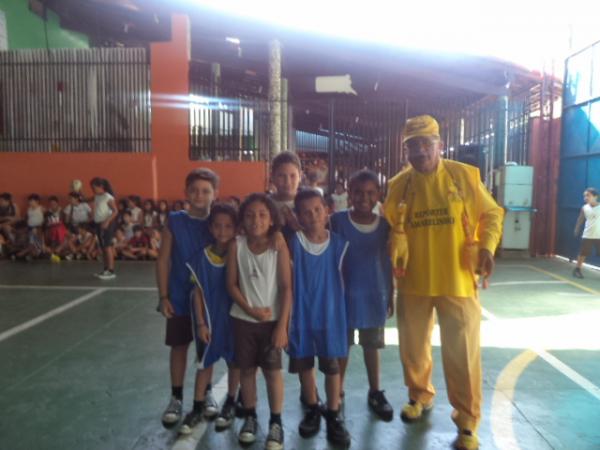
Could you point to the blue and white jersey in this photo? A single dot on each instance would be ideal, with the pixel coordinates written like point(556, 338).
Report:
point(190, 237)
point(208, 273)
point(367, 270)
point(318, 325)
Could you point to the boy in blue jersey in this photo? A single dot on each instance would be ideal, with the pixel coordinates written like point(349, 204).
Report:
point(185, 235)
point(368, 278)
point(318, 326)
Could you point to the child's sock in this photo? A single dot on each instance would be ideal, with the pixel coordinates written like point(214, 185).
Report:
point(198, 406)
point(275, 418)
point(330, 414)
point(230, 399)
point(177, 392)
point(208, 387)
point(250, 412)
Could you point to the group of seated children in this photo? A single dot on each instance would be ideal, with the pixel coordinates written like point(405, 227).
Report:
point(49, 231)
point(279, 274)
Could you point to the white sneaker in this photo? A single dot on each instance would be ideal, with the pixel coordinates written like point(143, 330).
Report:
point(172, 414)
point(107, 275)
point(211, 407)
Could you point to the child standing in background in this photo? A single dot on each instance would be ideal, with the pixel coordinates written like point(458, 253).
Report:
point(590, 216)
point(259, 282)
point(318, 326)
point(286, 174)
point(134, 203)
point(367, 273)
point(150, 216)
point(105, 215)
point(185, 235)
point(55, 228)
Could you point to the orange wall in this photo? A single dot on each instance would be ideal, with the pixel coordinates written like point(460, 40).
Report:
point(158, 174)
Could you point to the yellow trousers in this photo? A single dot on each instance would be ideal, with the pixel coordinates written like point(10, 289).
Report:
point(459, 320)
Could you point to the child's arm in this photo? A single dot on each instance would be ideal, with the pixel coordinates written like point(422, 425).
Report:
point(580, 221)
point(284, 291)
point(203, 331)
point(113, 207)
point(233, 288)
point(163, 266)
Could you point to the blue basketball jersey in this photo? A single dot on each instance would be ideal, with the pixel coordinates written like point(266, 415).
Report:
point(190, 236)
point(208, 273)
point(318, 325)
point(367, 272)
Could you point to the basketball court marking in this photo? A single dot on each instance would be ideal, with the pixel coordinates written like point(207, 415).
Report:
point(78, 288)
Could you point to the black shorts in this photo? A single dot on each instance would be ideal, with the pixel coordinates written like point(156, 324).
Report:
point(587, 245)
point(253, 346)
point(328, 366)
point(105, 236)
point(368, 337)
point(179, 331)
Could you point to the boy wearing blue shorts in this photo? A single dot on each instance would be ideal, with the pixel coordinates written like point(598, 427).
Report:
point(185, 235)
point(368, 279)
point(318, 325)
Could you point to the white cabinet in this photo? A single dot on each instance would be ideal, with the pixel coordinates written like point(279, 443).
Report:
point(515, 194)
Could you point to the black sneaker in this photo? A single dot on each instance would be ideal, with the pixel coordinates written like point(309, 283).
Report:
point(226, 416)
point(247, 434)
point(192, 419)
point(275, 437)
point(172, 414)
point(337, 433)
point(311, 424)
point(306, 405)
point(380, 406)
point(211, 407)
point(577, 273)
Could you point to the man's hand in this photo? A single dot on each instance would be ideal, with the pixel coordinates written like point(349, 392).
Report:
point(166, 307)
point(485, 267)
point(290, 219)
point(204, 333)
point(279, 339)
point(261, 314)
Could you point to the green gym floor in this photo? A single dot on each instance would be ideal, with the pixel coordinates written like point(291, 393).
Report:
point(83, 366)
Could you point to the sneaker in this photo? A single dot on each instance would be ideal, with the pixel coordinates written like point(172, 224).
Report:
point(226, 416)
point(305, 404)
point(311, 423)
point(107, 275)
point(54, 258)
point(192, 419)
point(69, 257)
point(466, 440)
point(211, 407)
point(337, 433)
point(247, 434)
point(577, 273)
point(414, 410)
point(380, 406)
point(172, 414)
point(275, 437)
point(239, 406)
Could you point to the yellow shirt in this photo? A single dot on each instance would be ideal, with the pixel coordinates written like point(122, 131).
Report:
point(434, 229)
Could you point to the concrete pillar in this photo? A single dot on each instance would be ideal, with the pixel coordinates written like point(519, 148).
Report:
point(284, 114)
point(274, 97)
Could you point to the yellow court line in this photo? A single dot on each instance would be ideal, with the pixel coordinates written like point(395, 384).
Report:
point(566, 280)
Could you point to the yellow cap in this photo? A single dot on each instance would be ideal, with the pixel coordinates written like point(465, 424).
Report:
point(420, 126)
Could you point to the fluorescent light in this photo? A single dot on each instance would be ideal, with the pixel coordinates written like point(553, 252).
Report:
point(233, 40)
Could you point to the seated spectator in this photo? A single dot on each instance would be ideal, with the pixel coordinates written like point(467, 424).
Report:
point(339, 197)
point(121, 207)
point(150, 216)
point(77, 212)
point(9, 213)
point(119, 242)
point(20, 241)
point(154, 244)
point(134, 203)
point(35, 212)
point(163, 213)
point(55, 228)
point(177, 205)
point(138, 245)
point(32, 247)
point(128, 225)
point(80, 244)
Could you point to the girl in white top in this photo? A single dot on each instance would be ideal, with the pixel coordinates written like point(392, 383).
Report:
point(339, 197)
point(35, 212)
point(77, 212)
point(590, 215)
point(259, 282)
point(105, 215)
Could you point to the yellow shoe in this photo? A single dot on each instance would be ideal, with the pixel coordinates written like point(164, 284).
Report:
point(466, 440)
point(414, 410)
point(54, 258)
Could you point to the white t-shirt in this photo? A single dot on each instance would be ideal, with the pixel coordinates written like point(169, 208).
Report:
point(312, 247)
point(365, 228)
point(102, 210)
point(592, 222)
point(340, 202)
point(35, 217)
point(81, 213)
point(257, 276)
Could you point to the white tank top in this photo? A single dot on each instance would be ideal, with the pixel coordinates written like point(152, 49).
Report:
point(35, 217)
point(101, 209)
point(257, 276)
point(592, 222)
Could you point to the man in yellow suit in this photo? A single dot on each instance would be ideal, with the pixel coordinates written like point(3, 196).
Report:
point(445, 229)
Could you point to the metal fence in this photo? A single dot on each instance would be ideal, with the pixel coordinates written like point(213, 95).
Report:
point(75, 100)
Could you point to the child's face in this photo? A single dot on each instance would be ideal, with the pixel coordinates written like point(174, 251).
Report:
point(312, 215)
point(339, 188)
point(73, 200)
point(148, 206)
point(162, 206)
point(364, 196)
point(222, 228)
point(131, 204)
point(257, 220)
point(97, 189)
point(200, 194)
point(138, 233)
point(286, 179)
point(127, 218)
point(53, 205)
point(589, 198)
point(33, 203)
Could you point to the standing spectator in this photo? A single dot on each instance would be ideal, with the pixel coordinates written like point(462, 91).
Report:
point(77, 212)
point(590, 216)
point(134, 203)
point(339, 197)
point(105, 215)
point(163, 213)
point(150, 216)
point(55, 228)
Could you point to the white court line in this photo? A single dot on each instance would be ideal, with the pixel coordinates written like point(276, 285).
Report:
point(519, 283)
point(191, 442)
point(54, 312)
point(557, 364)
point(77, 288)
